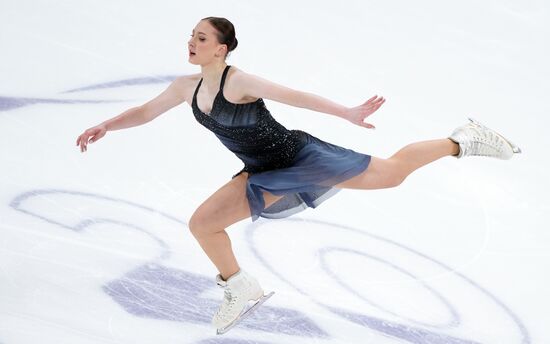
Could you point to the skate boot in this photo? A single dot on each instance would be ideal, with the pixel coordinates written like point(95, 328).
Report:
point(240, 288)
point(476, 139)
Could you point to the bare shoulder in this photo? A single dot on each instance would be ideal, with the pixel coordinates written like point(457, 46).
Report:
point(186, 84)
point(238, 75)
point(246, 80)
point(185, 80)
point(190, 78)
point(237, 81)
point(252, 87)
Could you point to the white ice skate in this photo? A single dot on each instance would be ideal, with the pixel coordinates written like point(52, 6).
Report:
point(239, 290)
point(476, 139)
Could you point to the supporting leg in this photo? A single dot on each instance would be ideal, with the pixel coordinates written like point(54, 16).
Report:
point(208, 223)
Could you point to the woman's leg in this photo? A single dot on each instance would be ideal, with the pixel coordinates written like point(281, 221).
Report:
point(225, 207)
point(386, 173)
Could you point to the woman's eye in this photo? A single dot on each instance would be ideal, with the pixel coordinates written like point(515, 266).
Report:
point(200, 39)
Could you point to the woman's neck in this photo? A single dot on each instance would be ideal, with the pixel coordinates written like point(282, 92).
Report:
point(211, 75)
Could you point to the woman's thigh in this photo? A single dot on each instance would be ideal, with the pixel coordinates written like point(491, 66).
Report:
point(381, 173)
point(225, 207)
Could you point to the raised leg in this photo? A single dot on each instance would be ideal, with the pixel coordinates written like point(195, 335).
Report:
point(386, 173)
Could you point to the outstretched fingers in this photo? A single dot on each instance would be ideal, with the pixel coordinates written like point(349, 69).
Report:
point(373, 99)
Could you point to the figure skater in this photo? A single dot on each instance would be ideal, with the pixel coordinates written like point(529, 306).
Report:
point(285, 171)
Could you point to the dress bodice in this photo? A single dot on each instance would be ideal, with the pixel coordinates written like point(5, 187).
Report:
point(249, 131)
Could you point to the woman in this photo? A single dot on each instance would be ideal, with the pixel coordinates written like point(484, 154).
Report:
point(285, 170)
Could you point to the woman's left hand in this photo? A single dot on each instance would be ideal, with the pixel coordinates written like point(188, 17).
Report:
point(357, 115)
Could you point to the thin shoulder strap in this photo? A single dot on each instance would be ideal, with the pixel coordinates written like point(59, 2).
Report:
point(224, 75)
point(197, 88)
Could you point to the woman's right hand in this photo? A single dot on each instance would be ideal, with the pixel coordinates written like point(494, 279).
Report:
point(175, 94)
point(96, 132)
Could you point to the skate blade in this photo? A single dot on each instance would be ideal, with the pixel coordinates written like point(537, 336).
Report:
point(245, 314)
point(515, 148)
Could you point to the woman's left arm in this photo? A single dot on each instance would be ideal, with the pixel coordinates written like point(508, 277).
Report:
point(258, 87)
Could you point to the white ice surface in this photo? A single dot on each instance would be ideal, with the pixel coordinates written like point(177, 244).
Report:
point(94, 247)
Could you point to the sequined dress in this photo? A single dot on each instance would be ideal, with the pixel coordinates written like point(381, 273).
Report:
point(289, 163)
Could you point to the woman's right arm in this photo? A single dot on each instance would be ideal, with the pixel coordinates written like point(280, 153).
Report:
point(172, 96)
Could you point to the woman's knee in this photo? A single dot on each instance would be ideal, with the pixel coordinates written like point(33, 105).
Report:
point(394, 173)
point(386, 173)
point(200, 224)
point(225, 207)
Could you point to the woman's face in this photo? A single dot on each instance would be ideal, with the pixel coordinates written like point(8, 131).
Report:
point(204, 44)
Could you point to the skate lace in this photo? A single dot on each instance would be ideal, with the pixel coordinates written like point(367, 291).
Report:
point(229, 298)
point(227, 305)
point(484, 143)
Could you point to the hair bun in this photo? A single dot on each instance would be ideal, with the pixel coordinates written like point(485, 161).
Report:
point(234, 45)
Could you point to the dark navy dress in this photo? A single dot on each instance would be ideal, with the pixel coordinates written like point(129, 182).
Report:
point(289, 163)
